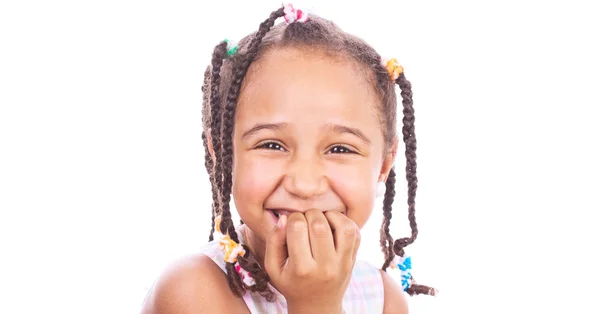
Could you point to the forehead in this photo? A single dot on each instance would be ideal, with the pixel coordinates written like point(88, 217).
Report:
point(309, 87)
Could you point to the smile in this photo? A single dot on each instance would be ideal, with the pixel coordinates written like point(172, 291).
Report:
point(278, 212)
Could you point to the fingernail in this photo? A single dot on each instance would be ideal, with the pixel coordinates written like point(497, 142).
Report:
point(282, 221)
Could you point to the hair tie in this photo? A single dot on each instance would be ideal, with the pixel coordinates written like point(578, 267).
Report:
point(232, 48)
point(246, 277)
point(218, 224)
point(404, 264)
point(294, 15)
point(232, 250)
point(393, 68)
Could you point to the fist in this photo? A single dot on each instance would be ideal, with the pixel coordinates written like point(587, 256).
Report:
point(309, 258)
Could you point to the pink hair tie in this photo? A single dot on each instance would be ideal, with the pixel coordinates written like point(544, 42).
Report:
point(294, 15)
point(246, 276)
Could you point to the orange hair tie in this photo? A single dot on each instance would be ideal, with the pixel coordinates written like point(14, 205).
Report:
point(218, 224)
point(231, 249)
point(393, 68)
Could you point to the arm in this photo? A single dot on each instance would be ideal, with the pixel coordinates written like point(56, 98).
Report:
point(193, 285)
point(394, 298)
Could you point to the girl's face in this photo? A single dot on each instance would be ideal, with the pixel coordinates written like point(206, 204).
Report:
point(306, 135)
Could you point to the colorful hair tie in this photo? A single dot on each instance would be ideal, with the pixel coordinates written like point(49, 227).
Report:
point(232, 48)
point(294, 15)
point(232, 250)
point(393, 68)
point(404, 264)
point(218, 224)
point(246, 277)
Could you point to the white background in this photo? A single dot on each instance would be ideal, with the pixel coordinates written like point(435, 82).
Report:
point(102, 180)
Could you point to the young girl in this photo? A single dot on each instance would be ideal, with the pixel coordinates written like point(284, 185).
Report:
point(300, 128)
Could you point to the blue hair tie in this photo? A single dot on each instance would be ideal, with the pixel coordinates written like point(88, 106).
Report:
point(404, 264)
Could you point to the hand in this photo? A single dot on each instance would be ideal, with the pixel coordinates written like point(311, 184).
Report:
point(310, 258)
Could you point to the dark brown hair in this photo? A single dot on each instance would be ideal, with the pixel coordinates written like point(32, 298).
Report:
point(223, 81)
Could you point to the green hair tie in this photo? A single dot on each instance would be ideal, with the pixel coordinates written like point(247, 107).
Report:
point(232, 48)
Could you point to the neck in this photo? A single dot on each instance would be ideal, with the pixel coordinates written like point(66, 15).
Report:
point(255, 244)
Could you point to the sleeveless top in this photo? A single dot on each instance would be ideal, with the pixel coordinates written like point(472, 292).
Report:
point(363, 295)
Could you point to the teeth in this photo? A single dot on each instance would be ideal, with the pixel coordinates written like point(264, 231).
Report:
point(283, 212)
point(279, 212)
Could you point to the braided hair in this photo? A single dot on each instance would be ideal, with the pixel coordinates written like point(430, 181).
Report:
point(222, 84)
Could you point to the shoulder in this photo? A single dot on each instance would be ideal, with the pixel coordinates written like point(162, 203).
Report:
point(394, 298)
point(194, 284)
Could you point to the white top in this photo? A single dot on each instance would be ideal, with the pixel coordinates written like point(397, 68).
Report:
point(364, 293)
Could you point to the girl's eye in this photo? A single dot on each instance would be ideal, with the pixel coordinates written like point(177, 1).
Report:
point(339, 149)
point(271, 145)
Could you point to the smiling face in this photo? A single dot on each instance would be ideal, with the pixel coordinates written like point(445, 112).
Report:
point(306, 135)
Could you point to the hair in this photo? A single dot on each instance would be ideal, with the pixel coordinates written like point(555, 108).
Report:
point(223, 81)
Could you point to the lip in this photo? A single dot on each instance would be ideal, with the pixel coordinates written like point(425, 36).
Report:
point(277, 212)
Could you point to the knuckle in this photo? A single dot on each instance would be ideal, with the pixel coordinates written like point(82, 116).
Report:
point(302, 272)
point(297, 225)
point(328, 274)
point(319, 227)
point(349, 228)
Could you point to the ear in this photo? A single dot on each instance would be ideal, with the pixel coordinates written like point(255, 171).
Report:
point(389, 160)
point(209, 143)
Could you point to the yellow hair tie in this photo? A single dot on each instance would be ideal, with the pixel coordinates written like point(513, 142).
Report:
point(218, 224)
point(393, 68)
point(231, 249)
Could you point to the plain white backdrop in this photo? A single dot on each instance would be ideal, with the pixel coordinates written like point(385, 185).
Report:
point(102, 181)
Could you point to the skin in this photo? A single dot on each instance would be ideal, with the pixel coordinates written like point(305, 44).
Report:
point(307, 139)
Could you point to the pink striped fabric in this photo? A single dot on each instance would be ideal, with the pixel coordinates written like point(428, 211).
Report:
point(364, 293)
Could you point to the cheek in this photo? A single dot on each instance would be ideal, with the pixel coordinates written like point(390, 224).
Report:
point(254, 180)
point(356, 186)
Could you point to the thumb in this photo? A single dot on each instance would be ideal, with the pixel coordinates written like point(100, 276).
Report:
point(276, 249)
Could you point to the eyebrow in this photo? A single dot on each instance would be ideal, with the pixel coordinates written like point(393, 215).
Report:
point(264, 126)
point(341, 129)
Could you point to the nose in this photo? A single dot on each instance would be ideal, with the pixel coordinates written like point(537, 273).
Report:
point(305, 177)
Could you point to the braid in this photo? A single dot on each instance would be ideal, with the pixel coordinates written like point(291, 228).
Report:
point(225, 161)
point(260, 276)
point(234, 280)
point(208, 162)
point(209, 165)
point(218, 56)
point(408, 132)
point(226, 156)
point(386, 239)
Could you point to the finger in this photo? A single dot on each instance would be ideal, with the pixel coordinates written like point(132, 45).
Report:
point(298, 243)
point(345, 233)
point(321, 238)
point(276, 251)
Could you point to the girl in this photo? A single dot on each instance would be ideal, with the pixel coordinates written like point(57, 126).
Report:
point(300, 128)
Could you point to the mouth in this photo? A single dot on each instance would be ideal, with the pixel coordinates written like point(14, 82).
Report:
point(279, 212)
